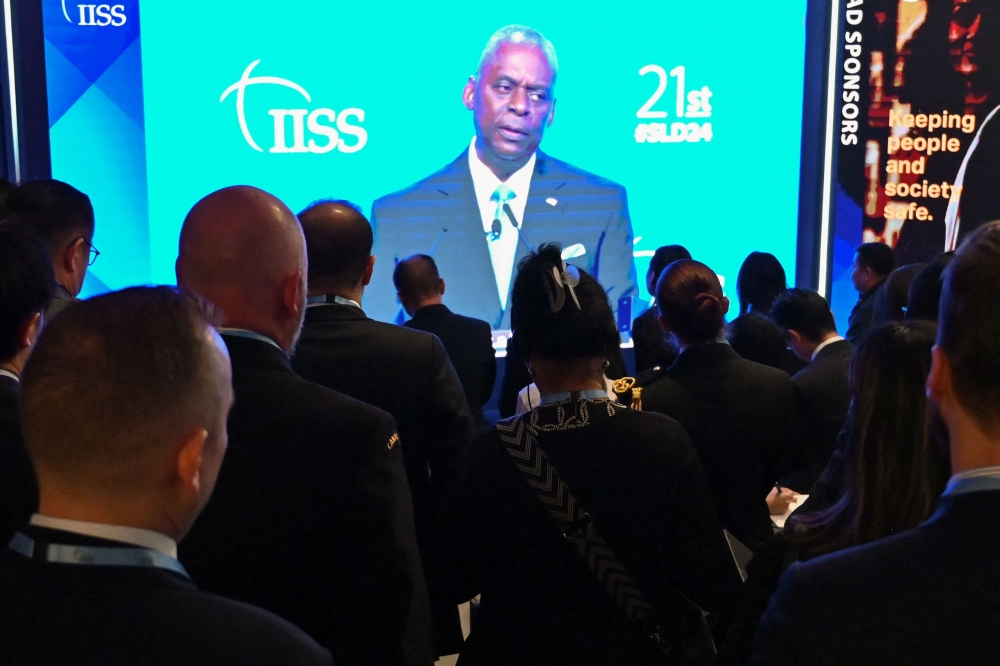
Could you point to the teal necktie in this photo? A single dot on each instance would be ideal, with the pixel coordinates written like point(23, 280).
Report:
point(500, 196)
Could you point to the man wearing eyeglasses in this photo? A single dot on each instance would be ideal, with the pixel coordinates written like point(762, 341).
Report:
point(62, 216)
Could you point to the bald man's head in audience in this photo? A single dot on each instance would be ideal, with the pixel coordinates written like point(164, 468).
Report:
point(339, 239)
point(242, 249)
point(124, 405)
point(418, 283)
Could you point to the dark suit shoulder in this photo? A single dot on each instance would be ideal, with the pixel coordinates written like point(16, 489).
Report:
point(555, 168)
point(336, 414)
point(447, 176)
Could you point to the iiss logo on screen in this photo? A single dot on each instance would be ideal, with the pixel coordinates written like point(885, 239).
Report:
point(99, 15)
point(317, 121)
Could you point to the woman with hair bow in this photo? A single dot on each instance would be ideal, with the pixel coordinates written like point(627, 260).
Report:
point(586, 527)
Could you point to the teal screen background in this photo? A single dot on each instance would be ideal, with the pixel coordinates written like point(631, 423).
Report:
point(405, 64)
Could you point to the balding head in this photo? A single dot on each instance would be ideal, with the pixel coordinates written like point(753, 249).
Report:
point(242, 249)
point(339, 242)
point(418, 283)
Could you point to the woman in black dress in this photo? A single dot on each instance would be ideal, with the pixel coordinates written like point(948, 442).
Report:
point(639, 493)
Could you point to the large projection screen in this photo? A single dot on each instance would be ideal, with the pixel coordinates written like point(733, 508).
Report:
point(674, 122)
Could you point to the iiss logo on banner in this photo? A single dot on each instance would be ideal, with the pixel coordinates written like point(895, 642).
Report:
point(98, 15)
point(318, 121)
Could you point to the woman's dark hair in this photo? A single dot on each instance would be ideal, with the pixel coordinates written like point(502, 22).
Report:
point(891, 300)
point(760, 280)
point(925, 290)
point(690, 299)
point(571, 332)
point(895, 469)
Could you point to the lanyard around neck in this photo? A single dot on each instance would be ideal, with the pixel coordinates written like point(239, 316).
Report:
point(107, 556)
point(594, 394)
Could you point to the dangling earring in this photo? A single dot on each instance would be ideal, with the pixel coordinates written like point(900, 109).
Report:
point(607, 364)
point(531, 371)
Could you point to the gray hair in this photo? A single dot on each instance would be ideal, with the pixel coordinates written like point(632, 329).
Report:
point(518, 34)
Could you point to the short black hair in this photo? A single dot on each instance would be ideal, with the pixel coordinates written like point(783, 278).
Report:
point(924, 297)
point(805, 312)
point(876, 256)
point(27, 283)
point(570, 333)
point(416, 276)
point(113, 374)
point(969, 331)
point(666, 255)
point(56, 211)
point(338, 249)
point(760, 280)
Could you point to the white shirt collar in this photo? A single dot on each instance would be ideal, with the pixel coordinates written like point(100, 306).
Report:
point(323, 299)
point(132, 535)
point(7, 373)
point(250, 335)
point(485, 182)
point(823, 345)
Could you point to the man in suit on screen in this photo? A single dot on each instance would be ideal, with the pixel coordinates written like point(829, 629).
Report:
point(479, 215)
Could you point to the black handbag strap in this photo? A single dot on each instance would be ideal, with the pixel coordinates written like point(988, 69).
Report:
point(573, 520)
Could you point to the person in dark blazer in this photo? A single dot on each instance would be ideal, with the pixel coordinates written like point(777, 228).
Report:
point(480, 215)
point(26, 287)
point(822, 388)
point(311, 517)
point(468, 341)
point(63, 217)
point(405, 372)
point(634, 474)
point(930, 595)
point(650, 344)
point(873, 262)
point(737, 413)
point(141, 385)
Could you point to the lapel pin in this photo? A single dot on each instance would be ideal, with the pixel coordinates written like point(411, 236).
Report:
point(552, 201)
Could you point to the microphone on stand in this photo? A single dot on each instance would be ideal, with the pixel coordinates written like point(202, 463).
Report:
point(517, 226)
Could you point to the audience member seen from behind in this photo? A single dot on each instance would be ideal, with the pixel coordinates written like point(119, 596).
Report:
point(890, 304)
point(64, 218)
point(822, 388)
point(925, 290)
point(468, 341)
point(405, 372)
point(141, 386)
point(26, 288)
point(929, 595)
point(873, 262)
point(636, 474)
point(311, 517)
point(738, 413)
point(760, 280)
point(757, 338)
point(652, 348)
point(895, 471)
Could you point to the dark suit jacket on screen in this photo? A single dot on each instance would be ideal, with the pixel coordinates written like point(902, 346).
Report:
point(71, 614)
point(565, 205)
point(739, 416)
point(927, 596)
point(18, 488)
point(822, 398)
point(405, 372)
point(311, 516)
point(470, 348)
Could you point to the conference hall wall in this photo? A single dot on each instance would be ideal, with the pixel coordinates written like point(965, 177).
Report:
point(680, 122)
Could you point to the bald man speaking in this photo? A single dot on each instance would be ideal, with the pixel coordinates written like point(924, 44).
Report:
point(311, 517)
